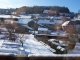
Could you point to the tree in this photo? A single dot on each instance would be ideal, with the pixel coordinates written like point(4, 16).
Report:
point(64, 19)
point(71, 31)
point(19, 10)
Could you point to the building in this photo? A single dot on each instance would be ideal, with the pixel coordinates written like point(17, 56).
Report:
point(51, 22)
point(49, 12)
point(42, 30)
point(65, 14)
point(69, 27)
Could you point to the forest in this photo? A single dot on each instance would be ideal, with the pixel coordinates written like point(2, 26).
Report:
point(35, 9)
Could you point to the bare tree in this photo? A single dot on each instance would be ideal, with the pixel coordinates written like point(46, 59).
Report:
point(64, 19)
point(19, 10)
point(71, 31)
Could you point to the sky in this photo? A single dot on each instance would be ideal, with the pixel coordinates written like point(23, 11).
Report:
point(73, 5)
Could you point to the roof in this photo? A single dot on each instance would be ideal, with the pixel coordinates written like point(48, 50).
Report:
point(7, 16)
point(24, 16)
point(45, 22)
point(23, 21)
point(45, 11)
point(58, 21)
point(65, 23)
point(43, 29)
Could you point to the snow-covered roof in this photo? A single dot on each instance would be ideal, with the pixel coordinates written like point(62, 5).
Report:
point(36, 14)
point(61, 33)
point(28, 27)
point(43, 29)
point(45, 22)
point(45, 11)
point(59, 17)
point(58, 21)
point(2, 36)
point(23, 21)
point(78, 19)
point(65, 23)
point(24, 16)
point(7, 16)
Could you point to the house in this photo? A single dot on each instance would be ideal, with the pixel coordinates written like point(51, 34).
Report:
point(45, 11)
point(23, 21)
point(24, 16)
point(8, 19)
point(65, 24)
point(69, 27)
point(52, 12)
point(51, 22)
point(13, 13)
point(42, 30)
point(65, 14)
point(79, 15)
point(49, 12)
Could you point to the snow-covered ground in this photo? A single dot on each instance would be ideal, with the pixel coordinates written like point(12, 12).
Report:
point(30, 46)
point(76, 50)
point(33, 46)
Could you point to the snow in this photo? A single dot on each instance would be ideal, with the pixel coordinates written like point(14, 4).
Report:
point(60, 17)
point(35, 47)
point(77, 26)
point(59, 47)
point(30, 46)
point(24, 16)
point(11, 43)
point(45, 22)
point(62, 49)
point(76, 50)
point(65, 23)
point(61, 33)
point(50, 40)
point(1, 41)
point(42, 29)
point(3, 53)
point(28, 27)
point(77, 19)
point(9, 50)
point(58, 21)
point(32, 32)
point(45, 11)
point(2, 36)
point(7, 16)
point(49, 22)
point(23, 21)
point(3, 29)
point(54, 55)
point(54, 33)
point(57, 42)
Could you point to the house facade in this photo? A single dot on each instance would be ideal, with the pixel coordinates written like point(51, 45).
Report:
point(42, 30)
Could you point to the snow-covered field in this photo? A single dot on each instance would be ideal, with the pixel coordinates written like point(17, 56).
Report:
point(30, 46)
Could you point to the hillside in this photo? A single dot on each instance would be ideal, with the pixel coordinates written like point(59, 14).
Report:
point(40, 9)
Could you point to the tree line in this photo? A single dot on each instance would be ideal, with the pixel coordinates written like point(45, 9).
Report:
point(40, 9)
